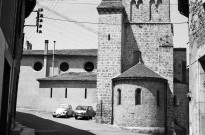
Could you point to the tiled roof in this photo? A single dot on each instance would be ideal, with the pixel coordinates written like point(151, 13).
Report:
point(74, 52)
point(72, 76)
point(111, 4)
point(139, 71)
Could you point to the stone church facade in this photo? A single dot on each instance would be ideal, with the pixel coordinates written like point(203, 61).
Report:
point(138, 80)
point(135, 34)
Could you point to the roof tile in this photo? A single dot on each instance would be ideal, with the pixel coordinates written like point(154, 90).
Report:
point(72, 76)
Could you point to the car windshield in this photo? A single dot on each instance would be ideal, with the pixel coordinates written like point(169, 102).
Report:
point(63, 106)
point(81, 108)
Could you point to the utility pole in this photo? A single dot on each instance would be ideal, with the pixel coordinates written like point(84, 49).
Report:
point(53, 56)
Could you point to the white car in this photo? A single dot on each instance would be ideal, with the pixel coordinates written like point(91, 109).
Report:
point(64, 110)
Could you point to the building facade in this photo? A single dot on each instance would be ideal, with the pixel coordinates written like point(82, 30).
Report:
point(12, 15)
point(134, 77)
point(68, 78)
point(131, 32)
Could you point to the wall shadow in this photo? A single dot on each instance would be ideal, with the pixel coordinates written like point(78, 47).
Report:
point(47, 127)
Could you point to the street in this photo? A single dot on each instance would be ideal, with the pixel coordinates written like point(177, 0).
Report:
point(45, 124)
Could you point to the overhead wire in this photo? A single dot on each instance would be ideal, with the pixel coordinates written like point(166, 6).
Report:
point(65, 17)
point(74, 35)
point(101, 23)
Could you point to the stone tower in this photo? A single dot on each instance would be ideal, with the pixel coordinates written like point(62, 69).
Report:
point(109, 54)
point(131, 31)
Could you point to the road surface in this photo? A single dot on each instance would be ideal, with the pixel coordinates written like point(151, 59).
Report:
point(45, 124)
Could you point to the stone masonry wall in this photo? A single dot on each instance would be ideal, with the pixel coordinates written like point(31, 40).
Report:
point(158, 11)
point(181, 108)
point(148, 114)
point(196, 73)
point(109, 61)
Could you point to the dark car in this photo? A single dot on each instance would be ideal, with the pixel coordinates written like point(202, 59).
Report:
point(86, 112)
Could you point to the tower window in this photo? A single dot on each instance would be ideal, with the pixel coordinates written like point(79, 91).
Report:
point(132, 3)
point(108, 36)
point(119, 97)
point(137, 57)
point(138, 97)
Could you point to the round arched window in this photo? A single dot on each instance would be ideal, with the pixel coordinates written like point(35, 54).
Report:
point(37, 66)
point(64, 66)
point(89, 66)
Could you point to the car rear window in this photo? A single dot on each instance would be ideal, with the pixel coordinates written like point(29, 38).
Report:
point(81, 108)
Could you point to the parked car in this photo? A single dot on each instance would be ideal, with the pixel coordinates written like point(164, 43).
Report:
point(84, 112)
point(64, 110)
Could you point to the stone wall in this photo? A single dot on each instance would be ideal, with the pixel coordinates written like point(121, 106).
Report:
point(196, 68)
point(109, 61)
point(146, 115)
point(159, 11)
point(181, 107)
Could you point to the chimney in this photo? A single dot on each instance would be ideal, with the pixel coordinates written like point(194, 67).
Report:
point(46, 58)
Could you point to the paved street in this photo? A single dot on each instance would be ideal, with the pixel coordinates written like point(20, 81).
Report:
point(45, 124)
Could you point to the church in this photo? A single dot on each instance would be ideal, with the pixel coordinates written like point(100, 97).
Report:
point(136, 79)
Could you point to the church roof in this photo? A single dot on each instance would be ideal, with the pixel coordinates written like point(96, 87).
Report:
point(111, 4)
point(139, 71)
point(70, 52)
point(72, 76)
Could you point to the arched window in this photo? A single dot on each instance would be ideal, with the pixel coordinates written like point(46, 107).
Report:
point(138, 97)
point(119, 97)
point(132, 3)
point(158, 99)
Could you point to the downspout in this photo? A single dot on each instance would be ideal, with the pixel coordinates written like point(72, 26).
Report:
point(165, 108)
point(46, 58)
point(112, 117)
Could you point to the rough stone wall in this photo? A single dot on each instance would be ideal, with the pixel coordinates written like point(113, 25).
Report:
point(179, 58)
point(146, 12)
point(181, 108)
point(148, 114)
point(109, 61)
point(196, 72)
point(151, 33)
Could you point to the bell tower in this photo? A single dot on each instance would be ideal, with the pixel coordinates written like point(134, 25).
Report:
point(109, 55)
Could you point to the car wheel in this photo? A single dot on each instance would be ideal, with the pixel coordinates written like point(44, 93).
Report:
point(88, 117)
point(54, 116)
point(76, 117)
point(91, 117)
point(66, 115)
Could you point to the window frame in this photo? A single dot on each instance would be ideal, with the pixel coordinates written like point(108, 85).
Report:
point(138, 96)
point(119, 97)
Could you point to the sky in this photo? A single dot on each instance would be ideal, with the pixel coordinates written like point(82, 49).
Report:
point(73, 25)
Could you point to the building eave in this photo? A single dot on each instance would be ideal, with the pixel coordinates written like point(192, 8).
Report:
point(29, 6)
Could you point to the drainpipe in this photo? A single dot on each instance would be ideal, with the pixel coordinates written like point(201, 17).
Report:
point(46, 58)
point(53, 62)
point(165, 106)
point(112, 117)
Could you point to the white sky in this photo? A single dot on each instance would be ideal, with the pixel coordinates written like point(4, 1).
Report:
point(68, 35)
